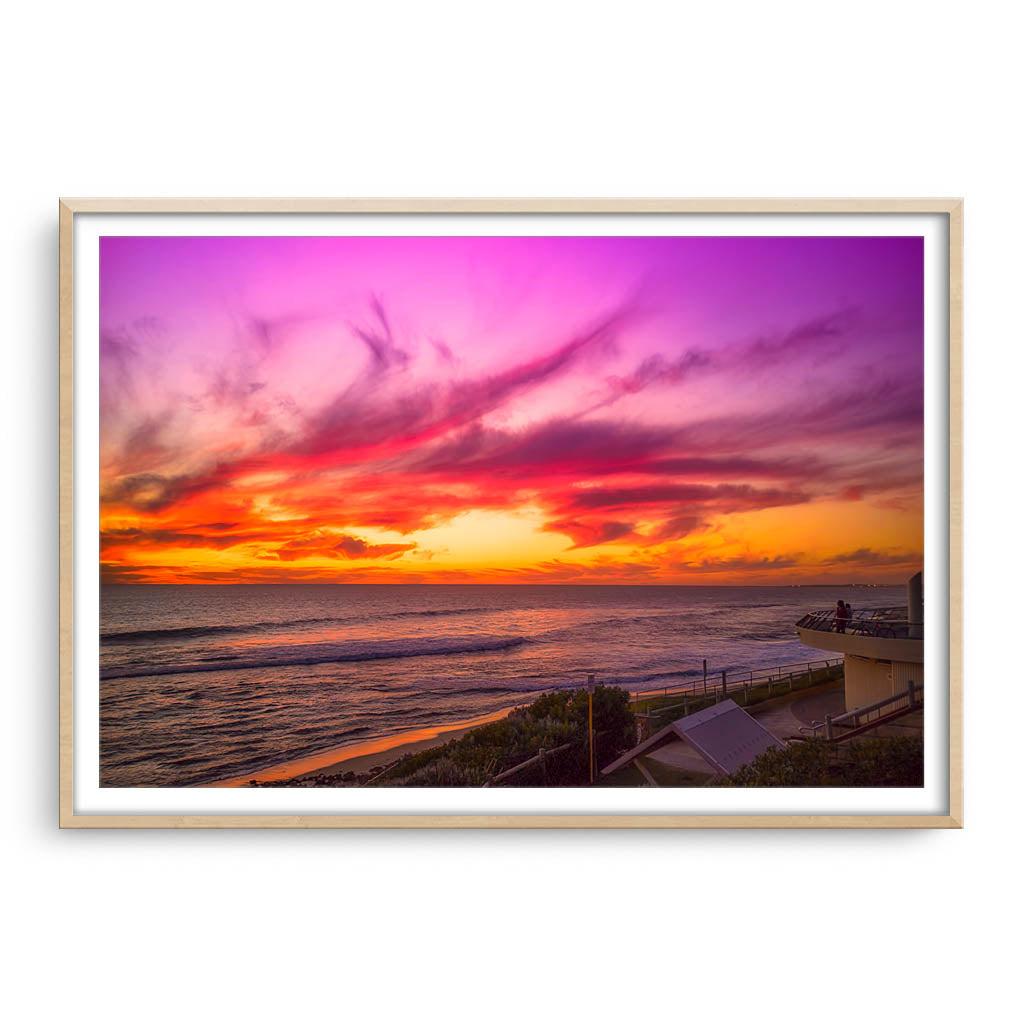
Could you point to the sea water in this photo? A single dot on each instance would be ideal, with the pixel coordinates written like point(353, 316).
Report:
point(203, 683)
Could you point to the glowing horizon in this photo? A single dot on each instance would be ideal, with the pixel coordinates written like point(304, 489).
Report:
point(502, 410)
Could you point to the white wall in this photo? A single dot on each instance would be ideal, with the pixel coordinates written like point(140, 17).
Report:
point(866, 681)
point(527, 99)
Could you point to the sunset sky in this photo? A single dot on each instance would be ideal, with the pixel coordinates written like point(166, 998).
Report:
point(564, 410)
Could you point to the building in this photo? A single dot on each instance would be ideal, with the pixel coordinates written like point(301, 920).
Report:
point(883, 649)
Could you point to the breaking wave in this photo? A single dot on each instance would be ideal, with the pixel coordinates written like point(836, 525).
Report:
point(320, 654)
point(215, 629)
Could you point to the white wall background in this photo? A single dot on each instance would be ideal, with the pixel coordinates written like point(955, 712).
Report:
point(524, 99)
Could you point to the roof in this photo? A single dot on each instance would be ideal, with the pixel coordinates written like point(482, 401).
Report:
point(724, 735)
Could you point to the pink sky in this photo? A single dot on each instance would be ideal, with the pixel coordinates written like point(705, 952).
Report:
point(706, 410)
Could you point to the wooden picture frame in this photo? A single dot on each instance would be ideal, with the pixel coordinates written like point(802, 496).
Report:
point(70, 210)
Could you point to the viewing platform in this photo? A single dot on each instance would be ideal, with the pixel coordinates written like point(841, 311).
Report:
point(882, 648)
point(880, 633)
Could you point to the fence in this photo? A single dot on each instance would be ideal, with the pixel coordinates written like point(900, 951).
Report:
point(541, 765)
point(719, 684)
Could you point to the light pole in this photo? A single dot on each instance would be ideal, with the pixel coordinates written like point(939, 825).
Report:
point(590, 692)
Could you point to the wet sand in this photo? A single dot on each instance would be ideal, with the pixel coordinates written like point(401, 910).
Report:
point(360, 758)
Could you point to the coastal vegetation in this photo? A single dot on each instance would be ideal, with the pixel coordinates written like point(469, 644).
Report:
point(882, 762)
point(545, 744)
point(550, 734)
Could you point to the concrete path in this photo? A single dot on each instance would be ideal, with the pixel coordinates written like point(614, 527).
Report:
point(784, 720)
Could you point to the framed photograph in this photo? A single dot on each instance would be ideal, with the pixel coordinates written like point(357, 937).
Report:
point(510, 513)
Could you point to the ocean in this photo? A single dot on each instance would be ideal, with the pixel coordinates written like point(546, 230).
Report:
point(203, 683)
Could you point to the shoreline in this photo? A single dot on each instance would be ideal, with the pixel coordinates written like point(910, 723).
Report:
point(362, 756)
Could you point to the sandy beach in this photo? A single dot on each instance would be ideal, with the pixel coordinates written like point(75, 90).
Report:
point(360, 758)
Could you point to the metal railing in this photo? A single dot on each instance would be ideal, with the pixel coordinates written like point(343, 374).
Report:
point(718, 684)
point(708, 684)
point(889, 623)
point(869, 716)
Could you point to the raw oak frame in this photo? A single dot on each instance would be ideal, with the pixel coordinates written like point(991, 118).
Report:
point(951, 207)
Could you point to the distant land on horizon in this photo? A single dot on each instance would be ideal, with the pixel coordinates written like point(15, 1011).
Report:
point(421, 583)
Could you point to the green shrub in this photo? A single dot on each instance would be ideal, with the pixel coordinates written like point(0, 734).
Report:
point(897, 761)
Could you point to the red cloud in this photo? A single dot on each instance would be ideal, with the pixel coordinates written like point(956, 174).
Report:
point(587, 535)
point(405, 457)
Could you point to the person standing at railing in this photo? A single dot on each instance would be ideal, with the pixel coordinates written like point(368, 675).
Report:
point(842, 614)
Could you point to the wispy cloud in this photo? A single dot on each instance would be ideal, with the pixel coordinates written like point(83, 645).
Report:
point(321, 432)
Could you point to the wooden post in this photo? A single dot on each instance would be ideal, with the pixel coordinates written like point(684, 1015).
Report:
point(725, 685)
point(828, 727)
point(648, 777)
point(705, 677)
